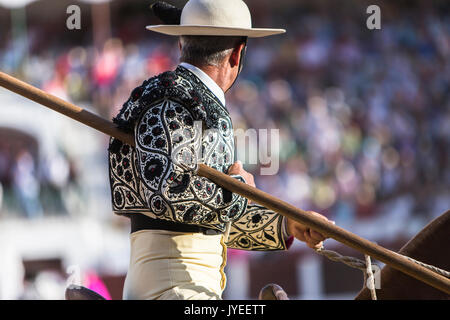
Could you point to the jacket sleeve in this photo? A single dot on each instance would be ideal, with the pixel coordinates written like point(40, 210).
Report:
point(259, 229)
point(169, 144)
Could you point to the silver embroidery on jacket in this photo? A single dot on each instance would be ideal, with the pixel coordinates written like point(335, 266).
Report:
point(178, 121)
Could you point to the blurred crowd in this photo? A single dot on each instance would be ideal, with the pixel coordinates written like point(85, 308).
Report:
point(363, 115)
point(30, 186)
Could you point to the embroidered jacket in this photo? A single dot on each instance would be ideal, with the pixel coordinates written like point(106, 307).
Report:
point(177, 121)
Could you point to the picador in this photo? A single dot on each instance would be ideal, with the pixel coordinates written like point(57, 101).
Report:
point(182, 224)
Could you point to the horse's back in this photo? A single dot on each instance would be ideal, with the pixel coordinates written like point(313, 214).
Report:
point(431, 246)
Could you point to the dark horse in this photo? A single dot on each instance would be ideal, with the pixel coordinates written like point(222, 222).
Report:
point(430, 246)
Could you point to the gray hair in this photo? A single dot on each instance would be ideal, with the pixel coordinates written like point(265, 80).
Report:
point(207, 50)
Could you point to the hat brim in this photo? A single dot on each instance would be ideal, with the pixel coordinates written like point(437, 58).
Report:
point(197, 30)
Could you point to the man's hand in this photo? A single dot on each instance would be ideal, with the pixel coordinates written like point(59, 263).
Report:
point(237, 169)
point(313, 239)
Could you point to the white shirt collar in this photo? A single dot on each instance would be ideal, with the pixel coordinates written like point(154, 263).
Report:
point(210, 83)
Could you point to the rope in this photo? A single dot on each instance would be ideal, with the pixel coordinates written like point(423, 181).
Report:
point(430, 267)
point(370, 280)
point(350, 261)
point(366, 266)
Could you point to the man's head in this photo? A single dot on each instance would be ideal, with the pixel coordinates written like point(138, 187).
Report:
point(220, 54)
point(213, 34)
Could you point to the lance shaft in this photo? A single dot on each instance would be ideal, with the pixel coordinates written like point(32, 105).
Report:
point(352, 240)
point(59, 105)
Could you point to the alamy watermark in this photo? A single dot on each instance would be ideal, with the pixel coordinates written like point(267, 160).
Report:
point(73, 21)
point(254, 147)
point(374, 20)
point(376, 271)
point(74, 278)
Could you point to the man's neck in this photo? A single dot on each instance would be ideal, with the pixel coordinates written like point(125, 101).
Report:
point(222, 76)
point(219, 75)
point(207, 81)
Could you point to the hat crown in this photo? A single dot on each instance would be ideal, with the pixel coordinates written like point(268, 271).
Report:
point(216, 13)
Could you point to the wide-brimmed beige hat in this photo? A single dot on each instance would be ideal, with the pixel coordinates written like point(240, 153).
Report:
point(215, 18)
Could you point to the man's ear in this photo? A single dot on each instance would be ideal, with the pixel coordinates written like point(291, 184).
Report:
point(236, 55)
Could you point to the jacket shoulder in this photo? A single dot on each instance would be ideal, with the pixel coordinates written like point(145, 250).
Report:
point(168, 85)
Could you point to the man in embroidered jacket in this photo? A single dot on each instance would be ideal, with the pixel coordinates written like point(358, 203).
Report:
point(183, 223)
